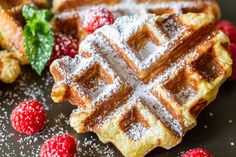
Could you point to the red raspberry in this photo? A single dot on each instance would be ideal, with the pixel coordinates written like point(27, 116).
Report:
point(232, 49)
point(229, 29)
point(28, 117)
point(64, 45)
point(61, 146)
point(97, 17)
point(197, 152)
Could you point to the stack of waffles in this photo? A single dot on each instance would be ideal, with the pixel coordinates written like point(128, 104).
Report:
point(141, 82)
point(11, 38)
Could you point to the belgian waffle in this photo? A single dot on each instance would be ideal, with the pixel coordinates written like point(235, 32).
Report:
point(72, 14)
point(141, 82)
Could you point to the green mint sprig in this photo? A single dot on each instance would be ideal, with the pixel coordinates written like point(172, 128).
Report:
point(38, 36)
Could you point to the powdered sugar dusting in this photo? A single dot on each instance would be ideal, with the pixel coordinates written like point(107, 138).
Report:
point(124, 28)
point(102, 48)
point(89, 146)
point(27, 87)
point(137, 131)
point(120, 34)
point(111, 48)
point(132, 7)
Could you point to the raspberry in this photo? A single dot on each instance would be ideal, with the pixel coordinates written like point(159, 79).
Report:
point(229, 29)
point(197, 152)
point(28, 117)
point(64, 45)
point(96, 18)
point(232, 49)
point(61, 146)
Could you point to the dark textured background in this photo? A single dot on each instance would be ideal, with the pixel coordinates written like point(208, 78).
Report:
point(216, 133)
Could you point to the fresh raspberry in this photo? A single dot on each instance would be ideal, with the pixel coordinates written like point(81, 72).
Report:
point(64, 45)
point(60, 146)
point(232, 49)
point(28, 117)
point(197, 152)
point(97, 17)
point(229, 29)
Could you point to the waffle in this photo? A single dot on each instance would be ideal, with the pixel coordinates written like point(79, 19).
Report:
point(13, 7)
point(9, 67)
point(72, 14)
point(11, 38)
point(11, 32)
point(11, 35)
point(141, 82)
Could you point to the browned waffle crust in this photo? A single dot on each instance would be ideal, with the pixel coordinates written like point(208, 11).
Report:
point(142, 82)
point(71, 14)
point(11, 24)
point(12, 37)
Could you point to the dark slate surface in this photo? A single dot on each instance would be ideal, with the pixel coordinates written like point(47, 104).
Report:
point(216, 129)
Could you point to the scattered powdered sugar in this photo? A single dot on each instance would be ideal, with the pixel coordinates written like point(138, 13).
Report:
point(149, 51)
point(211, 114)
point(136, 131)
point(26, 89)
point(232, 144)
point(90, 147)
point(30, 86)
point(185, 94)
point(98, 87)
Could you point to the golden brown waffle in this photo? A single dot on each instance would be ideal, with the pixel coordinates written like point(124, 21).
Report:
point(71, 15)
point(141, 82)
point(9, 67)
point(11, 32)
point(11, 35)
point(14, 7)
point(11, 38)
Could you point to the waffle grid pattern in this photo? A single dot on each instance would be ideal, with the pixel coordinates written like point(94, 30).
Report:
point(126, 96)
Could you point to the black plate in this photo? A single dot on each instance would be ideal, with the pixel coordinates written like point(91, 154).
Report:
point(216, 129)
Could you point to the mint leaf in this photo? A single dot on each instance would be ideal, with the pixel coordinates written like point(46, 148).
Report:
point(38, 36)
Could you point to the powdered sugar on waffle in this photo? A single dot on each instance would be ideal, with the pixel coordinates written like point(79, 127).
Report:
point(137, 8)
point(137, 131)
point(98, 45)
point(125, 27)
point(113, 48)
point(141, 90)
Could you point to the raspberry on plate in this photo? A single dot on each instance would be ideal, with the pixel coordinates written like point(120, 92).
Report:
point(60, 146)
point(232, 49)
point(197, 152)
point(28, 117)
point(64, 45)
point(97, 17)
point(229, 29)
